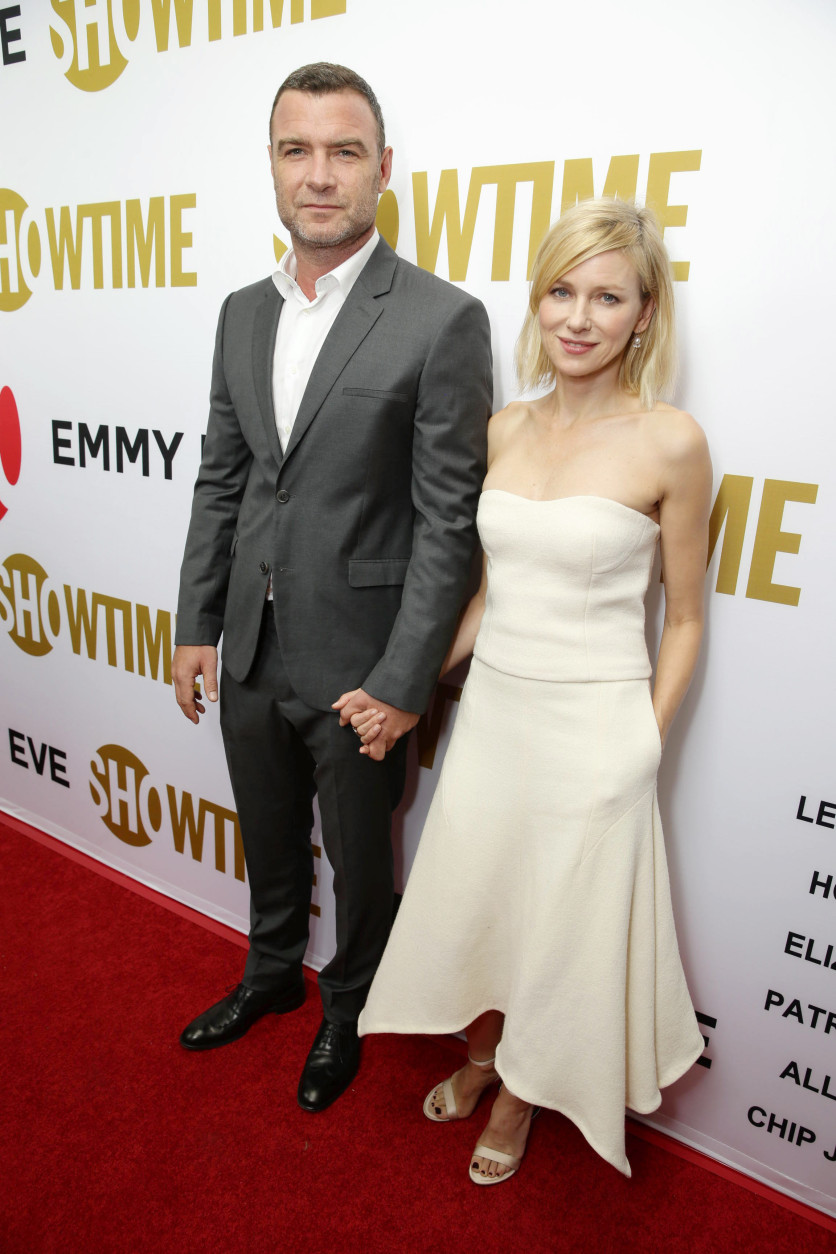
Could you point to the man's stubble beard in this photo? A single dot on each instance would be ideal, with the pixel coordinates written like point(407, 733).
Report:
point(349, 231)
point(359, 220)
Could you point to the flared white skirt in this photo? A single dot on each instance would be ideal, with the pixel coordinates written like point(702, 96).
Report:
point(540, 889)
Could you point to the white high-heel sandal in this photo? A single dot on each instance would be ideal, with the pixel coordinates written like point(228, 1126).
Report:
point(446, 1087)
point(497, 1156)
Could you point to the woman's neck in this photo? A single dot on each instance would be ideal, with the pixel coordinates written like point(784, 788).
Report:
point(575, 401)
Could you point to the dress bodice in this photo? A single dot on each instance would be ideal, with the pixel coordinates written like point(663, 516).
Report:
point(567, 579)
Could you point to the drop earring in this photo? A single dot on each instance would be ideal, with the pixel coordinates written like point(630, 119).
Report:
point(637, 341)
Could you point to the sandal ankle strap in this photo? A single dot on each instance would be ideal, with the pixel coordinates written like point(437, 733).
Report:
point(481, 1062)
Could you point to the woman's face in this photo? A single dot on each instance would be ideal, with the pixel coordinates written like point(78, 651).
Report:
point(590, 314)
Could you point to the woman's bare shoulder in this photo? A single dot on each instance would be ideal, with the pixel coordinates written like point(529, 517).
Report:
point(677, 433)
point(514, 412)
point(505, 423)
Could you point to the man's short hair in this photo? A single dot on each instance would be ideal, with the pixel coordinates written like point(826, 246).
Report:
point(321, 78)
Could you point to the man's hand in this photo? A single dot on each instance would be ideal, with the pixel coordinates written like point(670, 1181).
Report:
point(189, 661)
point(378, 724)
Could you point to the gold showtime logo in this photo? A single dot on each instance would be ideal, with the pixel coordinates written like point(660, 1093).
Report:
point(135, 810)
point(35, 613)
point(94, 41)
point(622, 180)
point(109, 243)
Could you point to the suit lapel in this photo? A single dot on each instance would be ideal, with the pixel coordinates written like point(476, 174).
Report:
point(265, 326)
point(351, 326)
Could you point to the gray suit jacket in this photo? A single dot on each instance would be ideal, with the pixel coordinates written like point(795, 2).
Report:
point(367, 521)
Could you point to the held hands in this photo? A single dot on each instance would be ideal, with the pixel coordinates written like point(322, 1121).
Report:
point(189, 661)
point(378, 725)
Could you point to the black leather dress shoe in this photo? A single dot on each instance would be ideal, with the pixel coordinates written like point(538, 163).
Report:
point(236, 1013)
point(331, 1065)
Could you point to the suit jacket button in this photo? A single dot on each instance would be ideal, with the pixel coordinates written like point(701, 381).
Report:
point(263, 567)
point(282, 496)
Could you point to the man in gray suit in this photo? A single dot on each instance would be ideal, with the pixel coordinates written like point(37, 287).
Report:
point(330, 542)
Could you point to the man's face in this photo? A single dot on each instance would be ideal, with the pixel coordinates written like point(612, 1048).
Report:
point(326, 169)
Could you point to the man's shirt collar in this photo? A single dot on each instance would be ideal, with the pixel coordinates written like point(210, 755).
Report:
point(343, 276)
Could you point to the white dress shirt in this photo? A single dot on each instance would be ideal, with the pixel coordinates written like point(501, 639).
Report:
point(303, 326)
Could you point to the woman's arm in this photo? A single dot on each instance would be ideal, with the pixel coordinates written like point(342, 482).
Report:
point(469, 623)
point(684, 506)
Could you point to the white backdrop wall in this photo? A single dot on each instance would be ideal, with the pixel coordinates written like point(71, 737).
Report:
point(135, 193)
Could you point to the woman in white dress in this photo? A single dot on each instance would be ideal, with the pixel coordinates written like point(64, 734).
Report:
point(537, 915)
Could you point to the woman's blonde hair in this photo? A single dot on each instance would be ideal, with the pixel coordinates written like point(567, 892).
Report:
point(587, 229)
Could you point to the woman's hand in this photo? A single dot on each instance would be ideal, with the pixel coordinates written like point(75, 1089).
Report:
point(367, 724)
point(368, 719)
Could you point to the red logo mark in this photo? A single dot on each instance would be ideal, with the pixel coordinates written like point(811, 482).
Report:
point(9, 440)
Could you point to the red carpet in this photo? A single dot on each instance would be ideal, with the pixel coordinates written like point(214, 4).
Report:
point(116, 1139)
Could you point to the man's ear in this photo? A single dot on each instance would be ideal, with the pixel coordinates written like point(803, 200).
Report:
point(385, 170)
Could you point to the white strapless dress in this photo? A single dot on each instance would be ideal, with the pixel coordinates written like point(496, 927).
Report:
point(540, 886)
